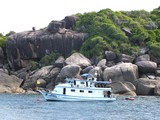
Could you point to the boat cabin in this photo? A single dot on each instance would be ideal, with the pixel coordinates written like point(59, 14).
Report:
point(84, 89)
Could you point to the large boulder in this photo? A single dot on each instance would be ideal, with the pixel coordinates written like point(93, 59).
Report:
point(78, 59)
point(41, 84)
point(1, 53)
point(24, 46)
point(87, 69)
point(146, 66)
point(54, 26)
point(123, 88)
point(157, 72)
point(121, 72)
point(127, 31)
point(70, 22)
point(126, 58)
point(8, 83)
point(150, 25)
point(70, 71)
point(110, 55)
point(97, 72)
point(145, 86)
point(1, 57)
point(42, 73)
point(145, 57)
point(157, 89)
point(102, 63)
point(59, 62)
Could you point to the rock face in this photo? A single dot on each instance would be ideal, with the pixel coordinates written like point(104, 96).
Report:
point(69, 71)
point(21, 47)
point(146, 86)
point(1, 57)
point(146, 66)
point(70, 22)
point(59, 62)
point(45, 75)
point(126, 58)
point(157, 89)
point(8, 83)
point(121, 72)
point(78, 59)
point(102, 63)
point(145, 57)
point(123, 88)
point(110, 55)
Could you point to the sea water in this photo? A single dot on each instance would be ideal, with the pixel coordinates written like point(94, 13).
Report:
point(34, 107)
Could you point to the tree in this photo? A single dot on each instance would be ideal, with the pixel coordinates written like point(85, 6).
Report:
point(94, 46)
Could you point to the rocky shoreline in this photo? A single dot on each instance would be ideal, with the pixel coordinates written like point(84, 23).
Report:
point(128, 78)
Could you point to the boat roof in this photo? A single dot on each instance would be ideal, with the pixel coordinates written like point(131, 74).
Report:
point(103, 82)
point(98, 82)
point(87, 75)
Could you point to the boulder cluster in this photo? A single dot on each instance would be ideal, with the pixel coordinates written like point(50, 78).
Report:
point(129, 75)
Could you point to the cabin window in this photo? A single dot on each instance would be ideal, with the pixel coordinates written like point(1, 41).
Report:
point(87, 84)
point(74, 82)
point(64, 90)
point(72, 90)
point(89, 91)
point(81, 90)
point(82, 82)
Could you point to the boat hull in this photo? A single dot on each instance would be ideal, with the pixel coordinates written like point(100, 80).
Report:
point(60, 97)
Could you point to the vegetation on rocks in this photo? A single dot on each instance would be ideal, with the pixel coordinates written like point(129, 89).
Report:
point(2, 40)
point(49, 59)
point(120, 31)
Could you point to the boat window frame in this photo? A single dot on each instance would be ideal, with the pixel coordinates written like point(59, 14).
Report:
point(90, 91)
point(82, 82)
point(73, 90)
point(81, 91)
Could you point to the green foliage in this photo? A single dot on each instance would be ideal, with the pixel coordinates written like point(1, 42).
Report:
point(151, 36)
point(128, 49)
point(139, 37)
point(157, 32)
point(103, 31)
point(34, 65)
point(2, 40)
point(154, 49)
point(49, 59)
point(94, 46)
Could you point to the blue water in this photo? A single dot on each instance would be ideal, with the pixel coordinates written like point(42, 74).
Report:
point(34, 107)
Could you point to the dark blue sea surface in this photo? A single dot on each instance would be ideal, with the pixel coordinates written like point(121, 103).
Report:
point(34, 107)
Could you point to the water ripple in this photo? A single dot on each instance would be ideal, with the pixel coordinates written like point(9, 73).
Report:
point(34, 107)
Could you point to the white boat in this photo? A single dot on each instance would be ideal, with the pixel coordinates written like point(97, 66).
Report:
point(79, 90)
